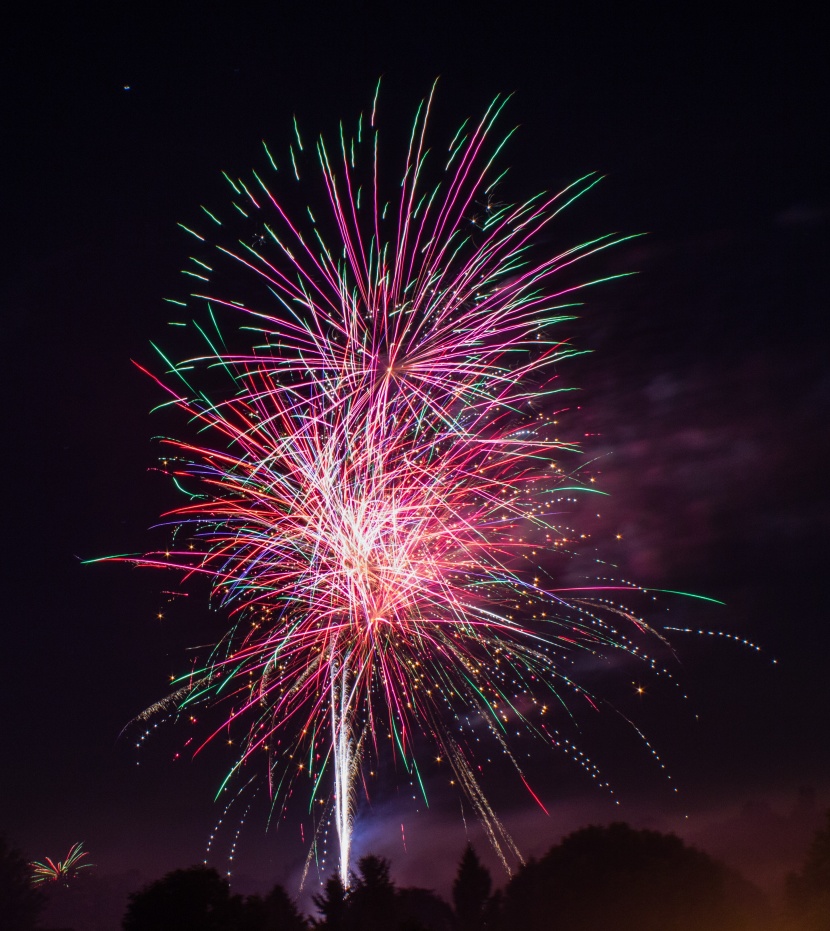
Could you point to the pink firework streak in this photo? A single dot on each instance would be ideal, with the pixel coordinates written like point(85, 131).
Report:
point(60, 871)
point(373, 494)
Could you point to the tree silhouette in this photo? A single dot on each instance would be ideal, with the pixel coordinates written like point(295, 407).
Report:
point(373, 903)
point(617, 877)
point(276, 912)
point(195, 899)
point(372, 898)
point(20, 903)
point(808, 892)
point(470, 892)
point(422, 910)
point(332, 905)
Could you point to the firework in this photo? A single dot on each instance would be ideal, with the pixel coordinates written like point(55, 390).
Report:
point(377, 481)
point(60, 871)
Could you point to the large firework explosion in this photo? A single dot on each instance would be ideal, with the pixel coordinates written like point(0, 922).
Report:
point(377, 485)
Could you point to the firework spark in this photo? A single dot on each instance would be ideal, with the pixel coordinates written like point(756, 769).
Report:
point(377, 482)
point(60, 871)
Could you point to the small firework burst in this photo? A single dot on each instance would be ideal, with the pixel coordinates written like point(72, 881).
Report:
point(60, 871)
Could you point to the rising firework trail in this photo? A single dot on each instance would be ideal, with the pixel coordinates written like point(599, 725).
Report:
point(375, 476)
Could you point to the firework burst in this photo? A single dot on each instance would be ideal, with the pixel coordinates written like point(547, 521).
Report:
point(60, 871)
point(376, 487)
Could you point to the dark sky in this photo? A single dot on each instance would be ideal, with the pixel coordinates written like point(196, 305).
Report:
point(707, 393)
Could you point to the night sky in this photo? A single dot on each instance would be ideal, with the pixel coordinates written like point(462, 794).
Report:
point(706, 395)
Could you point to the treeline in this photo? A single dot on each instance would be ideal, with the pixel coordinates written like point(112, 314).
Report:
point(596, 878)
point(599, 877)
